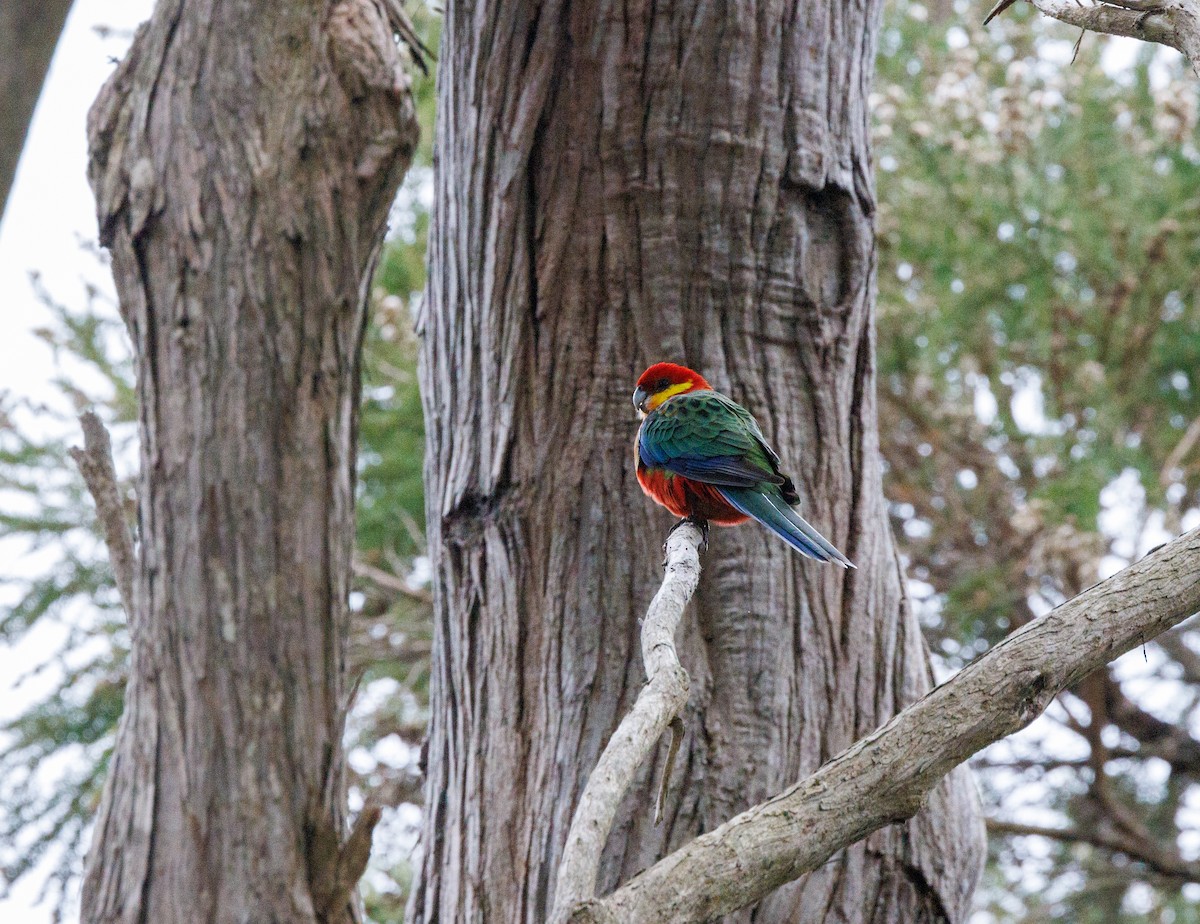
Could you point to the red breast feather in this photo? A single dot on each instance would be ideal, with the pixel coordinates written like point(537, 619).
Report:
point(687, 498)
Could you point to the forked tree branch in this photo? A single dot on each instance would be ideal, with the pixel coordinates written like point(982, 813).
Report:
point(659, 702)
point(886, 777)
point(95, 463)
point(1175, 23)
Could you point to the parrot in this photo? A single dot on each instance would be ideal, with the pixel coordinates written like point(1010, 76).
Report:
point(703, 457)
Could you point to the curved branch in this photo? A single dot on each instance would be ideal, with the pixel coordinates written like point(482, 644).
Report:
point(1175, 23)
point(886, 776)
point(659, 702)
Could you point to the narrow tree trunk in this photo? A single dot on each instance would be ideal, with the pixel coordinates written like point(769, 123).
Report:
point(244, 156)
point(29, 31)
point(619, 184)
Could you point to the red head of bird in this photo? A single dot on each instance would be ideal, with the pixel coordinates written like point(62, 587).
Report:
point(665, 380)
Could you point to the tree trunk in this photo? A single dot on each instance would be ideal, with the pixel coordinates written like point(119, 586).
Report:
point(618, 185)
point(29, 31)
point(244, 157)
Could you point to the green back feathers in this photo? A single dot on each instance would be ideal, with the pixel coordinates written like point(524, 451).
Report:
point(705, 436)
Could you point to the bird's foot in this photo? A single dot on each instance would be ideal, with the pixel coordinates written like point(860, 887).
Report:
point(699, 523)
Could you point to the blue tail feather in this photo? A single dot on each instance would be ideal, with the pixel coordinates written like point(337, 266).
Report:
point(773, 512)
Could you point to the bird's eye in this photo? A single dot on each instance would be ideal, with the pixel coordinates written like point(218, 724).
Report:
point(661, 384)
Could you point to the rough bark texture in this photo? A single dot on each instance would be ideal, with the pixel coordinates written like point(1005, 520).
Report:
point(244, 156)
point(619, 184)
point(29, 31)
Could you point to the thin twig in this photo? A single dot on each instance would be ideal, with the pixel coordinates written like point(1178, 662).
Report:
point(1176, 456)
point(659, 702)
point(95, 463)
point(999, 8)
point(402, 25)
point(1166, 864)
point(385, 580)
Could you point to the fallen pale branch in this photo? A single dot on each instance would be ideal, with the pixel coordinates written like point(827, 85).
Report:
point(657, 706)
point(95, 463)
point(1175, 23)
point(885, 777)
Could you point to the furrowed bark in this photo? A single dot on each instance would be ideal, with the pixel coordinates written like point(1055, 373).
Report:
point(618, 184)
point(887, 776)
point(244, 156)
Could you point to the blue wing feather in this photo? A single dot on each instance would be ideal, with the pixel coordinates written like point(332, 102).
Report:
point(773, 512)
point(715, 470)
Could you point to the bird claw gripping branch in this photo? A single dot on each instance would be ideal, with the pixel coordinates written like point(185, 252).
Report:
point(701, 525)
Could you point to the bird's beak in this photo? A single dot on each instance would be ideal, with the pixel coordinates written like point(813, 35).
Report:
point(639, 401)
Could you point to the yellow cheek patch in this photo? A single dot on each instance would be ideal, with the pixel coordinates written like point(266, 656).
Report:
point(669, 392)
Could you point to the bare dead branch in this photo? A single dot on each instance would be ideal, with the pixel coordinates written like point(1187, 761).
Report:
point(1174, 23)
point(659, 702)
point(399, 20)
point(95, 463)
point(1176, 456)
point(1156, 858)
point(385, 580)
point(886, 776)
point(29, 31)
point(999, 8)
point(352, 860)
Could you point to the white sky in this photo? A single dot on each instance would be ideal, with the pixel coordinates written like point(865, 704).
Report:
point(50, 209)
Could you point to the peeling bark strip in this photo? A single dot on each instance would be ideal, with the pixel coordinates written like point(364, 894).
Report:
point(95, 463)
point(887, 776)
point(620, 183)
point(244, 156)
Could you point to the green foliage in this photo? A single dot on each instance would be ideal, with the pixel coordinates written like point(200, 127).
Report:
point(1038, 246)
point(55, 752)
point(1039, 341)
point(1035, 264)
